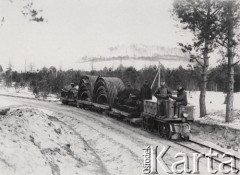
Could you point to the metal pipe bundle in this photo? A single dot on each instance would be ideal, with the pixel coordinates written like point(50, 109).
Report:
point(86, 87)
point(106, 90)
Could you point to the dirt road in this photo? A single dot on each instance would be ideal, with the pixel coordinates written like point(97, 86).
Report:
point(118, 145)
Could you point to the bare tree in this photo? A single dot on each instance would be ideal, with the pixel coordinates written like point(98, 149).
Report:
point(8, 77)
point(1, 69)
point(31, 67)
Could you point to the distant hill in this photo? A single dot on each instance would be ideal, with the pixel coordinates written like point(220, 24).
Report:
point(138, 52)
point(138, 56)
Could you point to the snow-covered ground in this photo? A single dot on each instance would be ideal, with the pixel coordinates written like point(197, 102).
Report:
point(212, 129)
point(216, 108)
point(32, 143)
point(7, 103)
point(225, 135)
point(24, 92)
point(38, 136)
point(35, 140)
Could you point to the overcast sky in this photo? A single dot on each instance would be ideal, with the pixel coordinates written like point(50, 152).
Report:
point(76, 28)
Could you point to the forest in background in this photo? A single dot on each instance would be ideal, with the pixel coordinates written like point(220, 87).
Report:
point(51, 80)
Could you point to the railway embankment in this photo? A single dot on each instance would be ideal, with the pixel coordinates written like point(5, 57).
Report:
point(212, 128)
point(216, 134)
point(33, 141)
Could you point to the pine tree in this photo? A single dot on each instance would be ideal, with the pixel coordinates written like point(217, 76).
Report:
point(1, 69)
point(229, 39)
point(200, 17)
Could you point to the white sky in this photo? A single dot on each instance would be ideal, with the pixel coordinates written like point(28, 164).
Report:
point(76, 28)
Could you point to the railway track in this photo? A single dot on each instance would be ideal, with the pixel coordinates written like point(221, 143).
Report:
point(200, 148)
point(194, 146)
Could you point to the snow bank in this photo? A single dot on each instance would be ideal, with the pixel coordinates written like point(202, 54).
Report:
point(32, 143)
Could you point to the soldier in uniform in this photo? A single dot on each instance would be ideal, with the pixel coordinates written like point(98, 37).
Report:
point(162, 94)
point(145, 92)
point(180, 100)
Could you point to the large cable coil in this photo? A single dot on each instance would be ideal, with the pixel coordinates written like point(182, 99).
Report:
point(106, 90)
point(86, 87)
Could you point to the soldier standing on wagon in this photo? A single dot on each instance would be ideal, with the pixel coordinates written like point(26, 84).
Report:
point(162, 94)
point(145, 92)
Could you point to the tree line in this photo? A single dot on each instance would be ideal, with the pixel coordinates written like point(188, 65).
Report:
point(51, 80)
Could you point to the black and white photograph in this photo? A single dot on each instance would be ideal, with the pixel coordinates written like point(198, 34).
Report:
point(119, 87)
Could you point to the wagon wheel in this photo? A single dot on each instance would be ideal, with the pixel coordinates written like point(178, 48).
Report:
point(150, 125)
point(168, 132)
point(161, 129)
point(144, 123)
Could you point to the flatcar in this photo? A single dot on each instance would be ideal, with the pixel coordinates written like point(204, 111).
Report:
point(127, 106)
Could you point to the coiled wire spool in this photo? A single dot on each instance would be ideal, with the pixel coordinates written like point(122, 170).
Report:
point(86, 87)
point(106, 90)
